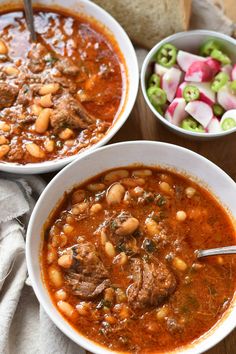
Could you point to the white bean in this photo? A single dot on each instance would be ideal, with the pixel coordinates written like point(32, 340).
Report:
point(4, 149)
point(95, 208)
point(49, 88)
point(190, 191)
point(115, 194)
point(11, 71)
point(162, 313)
point(68, 229)
point(114, 176)
point(51, 256)
point(36, 109)
point(128, 227)
point(65, 308)
point(65, 261)
point(179, 264)
point(34, 150)
point(66, 134)
point(142, 173)
point(83, 308)
point(5, 127)
point(133, 182)
point(3, 140)
point(96, 187)
point(49, 145)
point(152, 227)
point(79, 208)
point(103, 237)
point(46, 101)
point(61, 294)
point(109, 249)
point(42, 122)
point(78, 196)
point(55, 276)
point(121, 259)
point(181, 215)
point(165, 187)
point(3, 48)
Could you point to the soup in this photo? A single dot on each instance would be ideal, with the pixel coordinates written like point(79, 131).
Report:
point(118, 260)
point(60, 95)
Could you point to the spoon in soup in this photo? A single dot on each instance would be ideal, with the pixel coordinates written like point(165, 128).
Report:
point(215, 251)
point(30, 19)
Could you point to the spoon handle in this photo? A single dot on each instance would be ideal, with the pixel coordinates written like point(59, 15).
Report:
point(30, 18)
point(215, 251)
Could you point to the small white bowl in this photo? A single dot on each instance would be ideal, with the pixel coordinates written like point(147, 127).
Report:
point(189, 41)
point(131, 85)
point(116, 155)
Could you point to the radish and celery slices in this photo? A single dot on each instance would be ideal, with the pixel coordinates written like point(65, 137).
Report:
point(196, 92)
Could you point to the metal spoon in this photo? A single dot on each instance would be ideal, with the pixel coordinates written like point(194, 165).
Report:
point(215, 251)
point(30, 19)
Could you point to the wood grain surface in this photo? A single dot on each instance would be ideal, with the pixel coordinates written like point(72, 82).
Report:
point(143, 125)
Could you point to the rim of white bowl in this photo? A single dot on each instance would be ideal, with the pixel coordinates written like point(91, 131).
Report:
point(57, 164)
point(64, 326)
point(149, 58)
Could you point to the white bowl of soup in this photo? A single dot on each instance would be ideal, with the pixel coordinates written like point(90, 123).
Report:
point(110, 250)
point(70, 91)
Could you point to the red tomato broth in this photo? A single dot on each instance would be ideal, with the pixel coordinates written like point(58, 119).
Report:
point(203, 290)
point(99, 87)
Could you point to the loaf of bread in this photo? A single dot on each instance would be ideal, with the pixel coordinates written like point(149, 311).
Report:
point(148, 21)
point(228, 7)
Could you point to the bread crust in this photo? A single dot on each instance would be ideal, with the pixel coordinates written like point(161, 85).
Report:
point(148, 22)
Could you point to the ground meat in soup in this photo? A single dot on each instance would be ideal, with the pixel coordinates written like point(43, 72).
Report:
point(119, 254)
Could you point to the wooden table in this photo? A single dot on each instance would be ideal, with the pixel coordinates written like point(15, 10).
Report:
point(142, 124)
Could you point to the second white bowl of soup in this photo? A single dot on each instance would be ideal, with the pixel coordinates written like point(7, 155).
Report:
point(69, 92)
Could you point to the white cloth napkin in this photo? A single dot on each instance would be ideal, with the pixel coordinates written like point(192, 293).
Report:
point(24, 327)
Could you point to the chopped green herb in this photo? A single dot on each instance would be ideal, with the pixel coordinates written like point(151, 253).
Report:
point(161, 201)
point(113, 225)
point(103, 303)
point(149, 245)
point(146, 258)
point(120, 247)
point(49, 58)
point(26, 88)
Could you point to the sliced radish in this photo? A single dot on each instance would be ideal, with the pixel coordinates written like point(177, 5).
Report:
point(226, 99)
point(199, 72)
point(170, 82)
point(206, 93)
point(180, 89)
point(214, 65)
point(227, 69)
point(228, 120)
point(233, 73)
point(201, 111)
point(185, 59)
point(214, 126)
point(176, 111)
point(160, 70)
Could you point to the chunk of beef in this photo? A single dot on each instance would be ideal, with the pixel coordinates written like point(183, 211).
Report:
point(25, 96)
point(88, 276)
point(70, 113)
point(67, 67)
point(36, 58)
point(152, 284)
point(8, 95)
point(16, 153)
